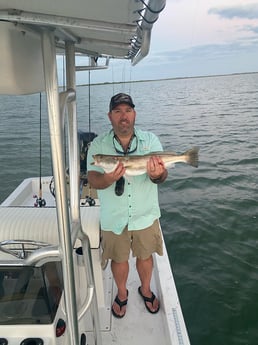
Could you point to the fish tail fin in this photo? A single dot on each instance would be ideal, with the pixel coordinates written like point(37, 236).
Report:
point(192, 156)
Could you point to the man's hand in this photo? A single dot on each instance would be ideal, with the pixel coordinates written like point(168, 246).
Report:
point(156, 169)
point(116, 174)
point(101, 181)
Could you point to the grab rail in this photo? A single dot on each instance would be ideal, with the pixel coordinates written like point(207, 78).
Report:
point(69, 223)
point(62, 209)
point(149, 15)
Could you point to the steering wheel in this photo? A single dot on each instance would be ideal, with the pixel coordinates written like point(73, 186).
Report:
point(21, 248)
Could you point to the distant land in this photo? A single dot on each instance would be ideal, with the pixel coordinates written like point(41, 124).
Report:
point(174, 78)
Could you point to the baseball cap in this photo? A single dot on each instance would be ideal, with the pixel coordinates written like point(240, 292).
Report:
point(120, 98)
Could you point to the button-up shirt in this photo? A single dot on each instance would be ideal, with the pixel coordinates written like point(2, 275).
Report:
point(138, 206)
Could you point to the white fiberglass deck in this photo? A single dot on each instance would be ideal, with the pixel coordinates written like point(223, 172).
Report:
point(138, 326)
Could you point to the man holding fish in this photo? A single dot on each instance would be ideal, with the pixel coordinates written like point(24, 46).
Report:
point(127, 190)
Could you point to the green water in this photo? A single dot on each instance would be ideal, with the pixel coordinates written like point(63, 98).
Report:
point(209, 214)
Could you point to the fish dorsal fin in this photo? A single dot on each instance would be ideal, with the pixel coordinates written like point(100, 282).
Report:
point(157, 153)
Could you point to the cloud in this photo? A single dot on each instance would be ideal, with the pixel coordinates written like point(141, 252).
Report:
point(253, 29)
point(248, 11)
point(205, 52)
point(209, 59)
point(216, 40)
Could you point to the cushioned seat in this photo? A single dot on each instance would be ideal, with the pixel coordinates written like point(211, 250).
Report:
point(40, 224)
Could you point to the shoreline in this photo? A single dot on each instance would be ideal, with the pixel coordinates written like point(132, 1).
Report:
point(172, 78)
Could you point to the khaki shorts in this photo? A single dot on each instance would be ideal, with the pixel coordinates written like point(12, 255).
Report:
point(143, 243)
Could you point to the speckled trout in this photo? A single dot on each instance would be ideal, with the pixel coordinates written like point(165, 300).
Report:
point(137, 165)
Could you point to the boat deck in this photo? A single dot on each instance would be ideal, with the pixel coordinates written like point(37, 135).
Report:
point(138, 325)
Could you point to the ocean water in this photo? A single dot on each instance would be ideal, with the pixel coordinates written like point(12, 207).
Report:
point(209, 214)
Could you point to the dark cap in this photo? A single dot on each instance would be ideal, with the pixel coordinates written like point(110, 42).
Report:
point(120, 98)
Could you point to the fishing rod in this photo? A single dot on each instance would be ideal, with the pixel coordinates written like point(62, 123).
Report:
point(40, 202)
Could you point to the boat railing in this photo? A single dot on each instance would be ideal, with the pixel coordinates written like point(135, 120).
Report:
point(90, 299)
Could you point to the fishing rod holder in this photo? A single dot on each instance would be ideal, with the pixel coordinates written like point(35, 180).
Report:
point(39, 202)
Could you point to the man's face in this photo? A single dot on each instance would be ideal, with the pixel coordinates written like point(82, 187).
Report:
point(122, 119)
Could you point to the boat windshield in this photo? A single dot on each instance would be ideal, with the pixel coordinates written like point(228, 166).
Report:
point(30, 295)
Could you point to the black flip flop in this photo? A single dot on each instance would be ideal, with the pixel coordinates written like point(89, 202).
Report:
point(121, 304)
point(150, 300)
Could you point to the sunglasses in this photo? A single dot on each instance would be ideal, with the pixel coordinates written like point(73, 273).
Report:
point(120, 186)
point(128, 150)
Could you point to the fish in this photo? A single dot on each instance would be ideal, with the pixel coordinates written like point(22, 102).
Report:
point(137, 164)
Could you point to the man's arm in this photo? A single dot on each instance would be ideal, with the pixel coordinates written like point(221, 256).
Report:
point(98, 180)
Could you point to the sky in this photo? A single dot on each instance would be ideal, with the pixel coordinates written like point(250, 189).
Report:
point(195, 38)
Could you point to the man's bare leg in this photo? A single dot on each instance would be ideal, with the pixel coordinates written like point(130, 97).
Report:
point(144, 268)
point(120, 273)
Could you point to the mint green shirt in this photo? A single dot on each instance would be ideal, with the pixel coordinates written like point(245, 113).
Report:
point(138, 206)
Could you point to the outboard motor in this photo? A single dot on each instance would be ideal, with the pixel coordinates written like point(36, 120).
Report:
point(84, 139)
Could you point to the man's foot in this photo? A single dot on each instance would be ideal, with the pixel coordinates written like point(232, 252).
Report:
point(119, 307)
point(151, 303)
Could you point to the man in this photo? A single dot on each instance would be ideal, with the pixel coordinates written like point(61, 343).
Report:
point(129, 209)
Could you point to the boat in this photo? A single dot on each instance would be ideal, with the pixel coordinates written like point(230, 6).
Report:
point(54, 288)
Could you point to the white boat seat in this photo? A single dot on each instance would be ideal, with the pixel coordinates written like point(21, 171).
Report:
point(40, 224)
